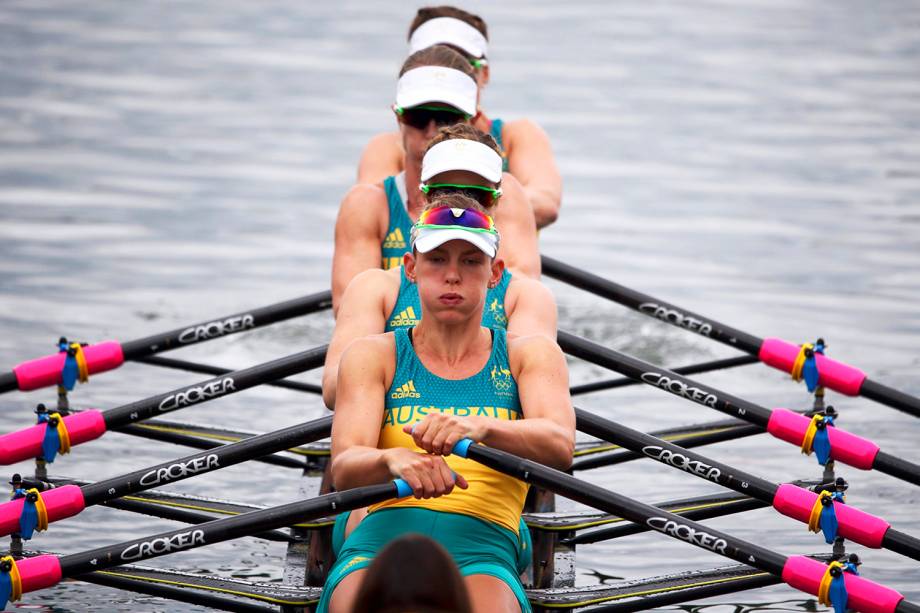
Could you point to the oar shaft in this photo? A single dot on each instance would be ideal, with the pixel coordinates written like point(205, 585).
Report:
point(224, 326)
point(219, 386)
point(204, 462)
point(874, 390)
point(693, 369)
point(207, 369)
point(663, 378)
point(651, 306)
point(674, 456)
point(224, 529)
point(89, 425)
point(100, 357)
point(798, 571)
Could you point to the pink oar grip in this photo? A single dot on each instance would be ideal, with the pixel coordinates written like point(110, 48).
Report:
point(26, 444)
point(61, 503)
point(863, 595)
point(42, 372)
point(836, 375)
point(845, 447)
point(39, 572)
point(858, 526)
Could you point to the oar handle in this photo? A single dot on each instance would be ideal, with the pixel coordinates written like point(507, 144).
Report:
point(42, 372)
point(836, 375)
point(60, 503)
point(462, 447)
point(27, 443)
point(862, 595)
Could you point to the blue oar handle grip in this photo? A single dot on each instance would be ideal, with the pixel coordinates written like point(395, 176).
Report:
point(462, 447)
point(403, 489)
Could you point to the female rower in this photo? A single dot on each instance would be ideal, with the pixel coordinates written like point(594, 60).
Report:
point(406, 397)
point(527, 150)
point(459, 158)
point(435, 88)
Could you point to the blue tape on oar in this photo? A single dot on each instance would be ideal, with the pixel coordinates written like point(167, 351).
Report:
point(403, 489)
point(838, 594)
point(70, 372)
point(822, 443)
point(51, 443)
point(810, 372)
point(462, 447)
point(829, 523)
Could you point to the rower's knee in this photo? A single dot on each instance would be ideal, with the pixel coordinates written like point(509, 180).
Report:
point(490, 594)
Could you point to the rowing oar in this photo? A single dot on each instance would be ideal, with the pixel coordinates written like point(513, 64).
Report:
point(69, 500)
point(774, 352)
point(44, 571)
point(691, 369)
point(784, 424)
point(790, 500)
point(100, 357)
point(798, 571)
point(89, 425)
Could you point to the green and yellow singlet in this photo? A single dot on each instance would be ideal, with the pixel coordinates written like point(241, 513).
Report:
point(492, 392)
point(396, 241)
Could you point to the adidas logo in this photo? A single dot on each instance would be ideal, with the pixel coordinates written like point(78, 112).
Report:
point(404, 318)
point(394, 240)
point(406, 390)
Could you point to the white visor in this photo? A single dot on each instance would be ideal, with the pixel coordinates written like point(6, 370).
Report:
point(449, 31)
point(426, 239)
point(462, 154)
point(437, 84)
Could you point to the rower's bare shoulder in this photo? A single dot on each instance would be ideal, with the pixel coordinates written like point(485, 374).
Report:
point(364, 208)
point(522, 132)
point(382, 156)
point(532, 346)
point(376, 280)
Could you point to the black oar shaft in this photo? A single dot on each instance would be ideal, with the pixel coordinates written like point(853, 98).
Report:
point(693, 369)
point(223, 529)
point(223, 326)
point(207, 369)
point(874, 390)
point(677, 457)
point(633, 510)
point(212, 388)
point(651, 306)
point(199, 463)
point(665, 379)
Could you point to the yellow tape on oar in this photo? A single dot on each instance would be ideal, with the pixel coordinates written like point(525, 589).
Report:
point(799, 362)
point(82, 367)
point(40, 510)
point(15, 579)
point(824, 587)
point(63, 434)
point(814, 520)
point(808, 443)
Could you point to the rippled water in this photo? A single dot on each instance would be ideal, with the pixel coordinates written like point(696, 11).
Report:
point(755, 161)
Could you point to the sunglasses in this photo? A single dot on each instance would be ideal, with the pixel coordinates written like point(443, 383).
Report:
point(445, 217)
point(486, 196)
point(419, 117)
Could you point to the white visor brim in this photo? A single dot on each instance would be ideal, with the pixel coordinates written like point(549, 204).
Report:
point(449, 31)
point(427, 239)
point(462, 154)
point(437, 84)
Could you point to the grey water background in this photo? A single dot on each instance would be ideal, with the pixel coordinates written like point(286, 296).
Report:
point(755, 161)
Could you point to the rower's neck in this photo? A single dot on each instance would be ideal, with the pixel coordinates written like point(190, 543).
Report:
point(451, 345)
point(416, 199)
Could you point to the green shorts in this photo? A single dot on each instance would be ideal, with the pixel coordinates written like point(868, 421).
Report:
point(525, 545)
point(478, 547)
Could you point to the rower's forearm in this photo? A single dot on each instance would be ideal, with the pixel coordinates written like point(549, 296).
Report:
point(358, 466)
point(539, 439)
point(545, 204)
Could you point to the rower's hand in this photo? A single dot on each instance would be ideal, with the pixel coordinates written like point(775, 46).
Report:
point(429, 476)
point(438, 432)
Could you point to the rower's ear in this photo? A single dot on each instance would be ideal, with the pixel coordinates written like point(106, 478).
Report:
point(498, 268)
point(409, 265)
